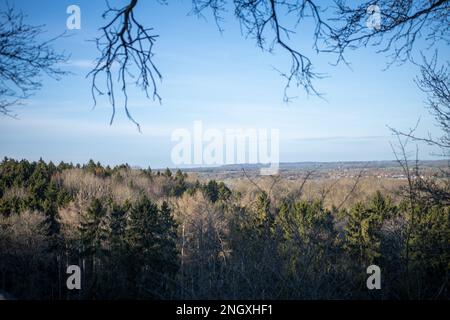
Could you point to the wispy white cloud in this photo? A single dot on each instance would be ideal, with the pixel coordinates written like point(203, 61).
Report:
point(79, 63)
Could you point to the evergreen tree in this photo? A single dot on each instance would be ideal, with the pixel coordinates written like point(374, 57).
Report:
point(363, 230)
point(92, 231)
point(263, 216)
point(93, 234)
point(168, 173)
point(211, 191)
point(168, 233)
point(148, 172)
point(180, 184)
point(429, 265)
point(117, 225)
point(306, 240)
point(113, 279)
point(38, 185)
point(151, 244)
point(224, 192)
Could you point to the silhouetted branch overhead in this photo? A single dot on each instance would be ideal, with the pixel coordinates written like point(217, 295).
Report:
point(217, 8)
point(23, 59)
point(402, 24)
point(264, 21)
point(435, 82)
point(127, 44)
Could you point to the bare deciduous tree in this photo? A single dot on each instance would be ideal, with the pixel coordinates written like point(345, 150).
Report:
point(23, 59)
point(434, 81)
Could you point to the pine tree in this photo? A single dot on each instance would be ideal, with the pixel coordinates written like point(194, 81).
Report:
point(168, 173)
point(263, 215)
point(381, 207)
point(169, 237)
point(224, 192)
point(38, 185)
point(92, 232)
point(306, 239)
point(117, 225)
point(211, 191)
point(180, 184)
point(430, 252)
point(113, 278)
point(363, 230)
point(151, 235)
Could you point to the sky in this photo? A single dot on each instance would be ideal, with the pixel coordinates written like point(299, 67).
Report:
point(220, 79)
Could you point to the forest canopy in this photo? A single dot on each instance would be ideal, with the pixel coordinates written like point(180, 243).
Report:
point(150, 234)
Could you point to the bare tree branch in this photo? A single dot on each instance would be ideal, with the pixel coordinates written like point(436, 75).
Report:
point(352, 190)
point(435, 82)
point(430, 190)
point(127, 44)
point(24, 59)
point(402, 23)
point(260, 20)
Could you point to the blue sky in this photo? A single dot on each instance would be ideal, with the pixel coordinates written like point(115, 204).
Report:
point(223, 80)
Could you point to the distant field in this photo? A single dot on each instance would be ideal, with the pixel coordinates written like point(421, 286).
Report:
point(331, 181)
